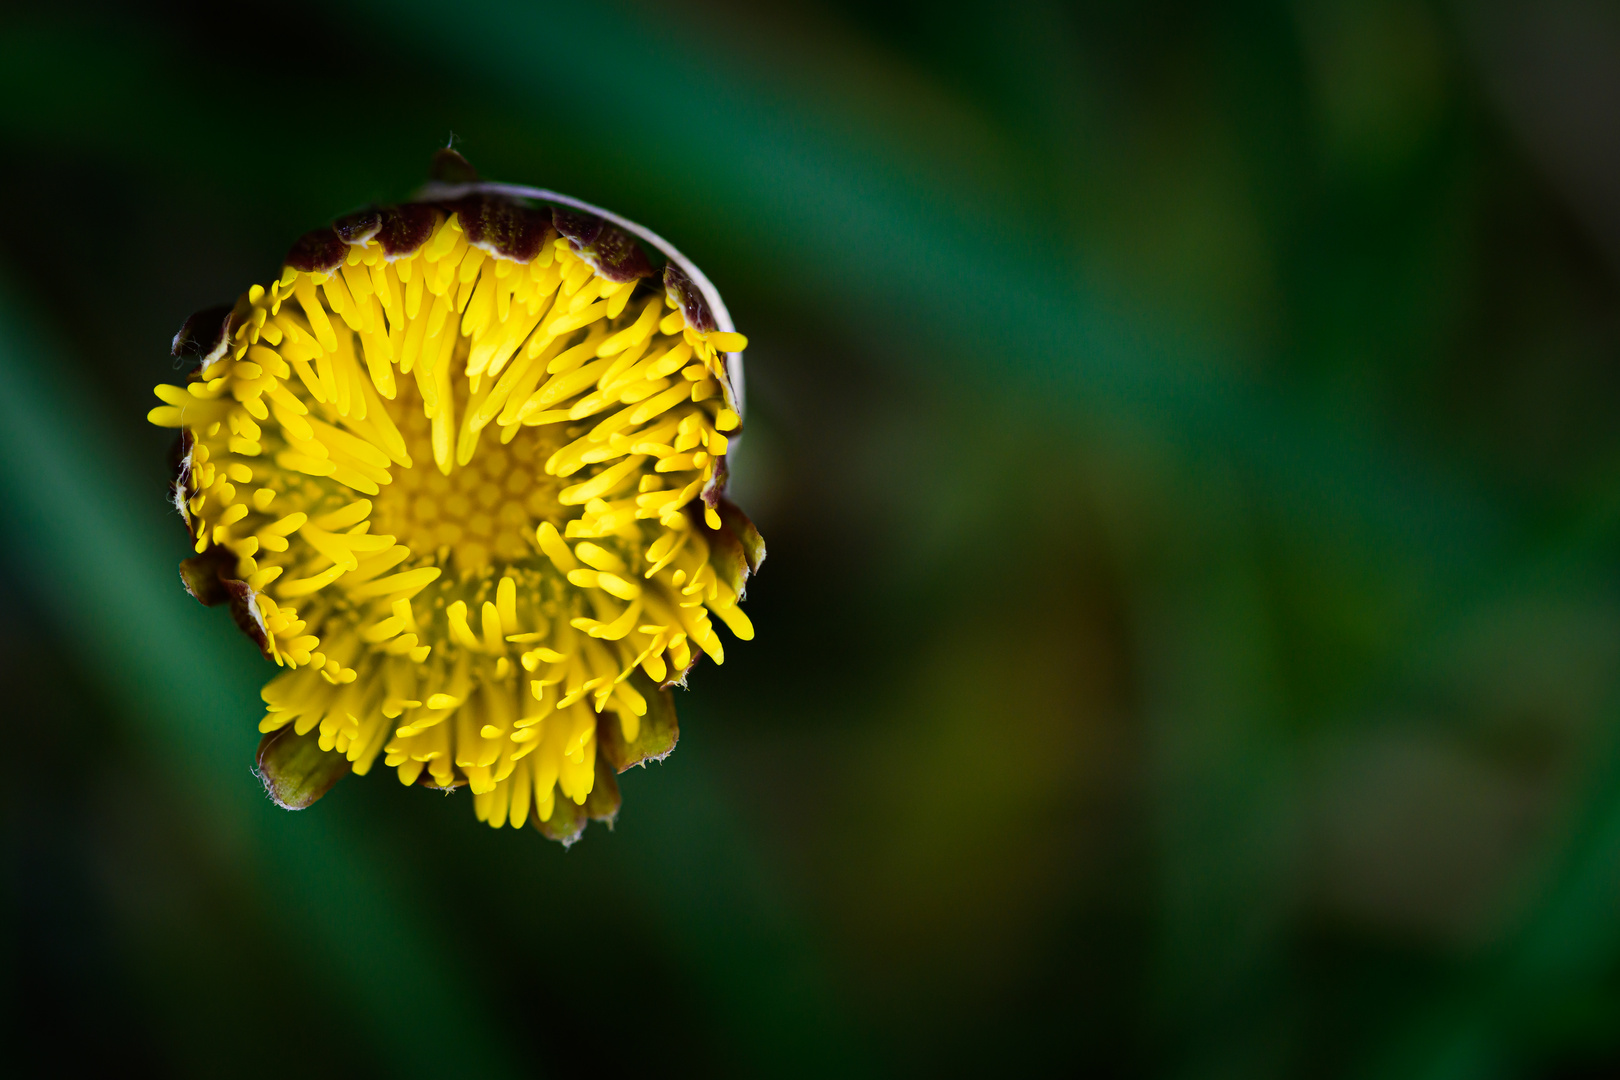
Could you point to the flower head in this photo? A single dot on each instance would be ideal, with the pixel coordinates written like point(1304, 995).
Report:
point(460, 471)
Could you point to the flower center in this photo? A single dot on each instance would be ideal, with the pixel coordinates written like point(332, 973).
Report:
point(480, 514)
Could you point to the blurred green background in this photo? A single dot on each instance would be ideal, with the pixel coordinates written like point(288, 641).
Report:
point(1185, 435)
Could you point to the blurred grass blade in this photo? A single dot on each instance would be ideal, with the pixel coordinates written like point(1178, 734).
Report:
point(90, 536)
point(1566, 949)
point(768, 165)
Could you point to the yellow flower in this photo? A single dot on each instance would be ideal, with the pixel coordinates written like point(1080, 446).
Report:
point(460, 471)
